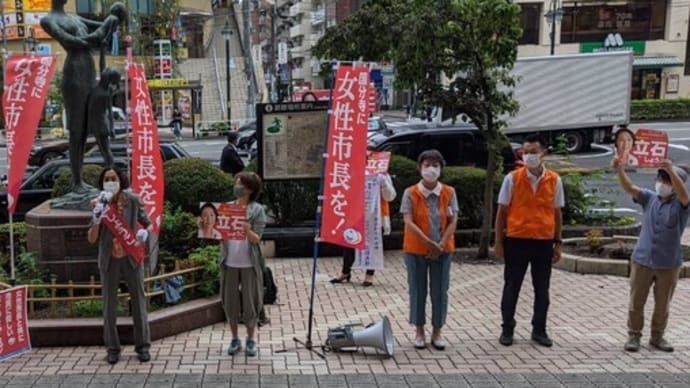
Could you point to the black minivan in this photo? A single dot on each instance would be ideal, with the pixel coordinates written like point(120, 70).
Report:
point(460, 145)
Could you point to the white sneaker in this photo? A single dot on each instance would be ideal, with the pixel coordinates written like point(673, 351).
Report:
point(438, 344)
point(420, 343)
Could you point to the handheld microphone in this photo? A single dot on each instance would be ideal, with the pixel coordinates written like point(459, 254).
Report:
point(103, 200)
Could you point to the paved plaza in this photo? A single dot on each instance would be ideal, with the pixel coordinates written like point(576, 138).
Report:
point(587, 322)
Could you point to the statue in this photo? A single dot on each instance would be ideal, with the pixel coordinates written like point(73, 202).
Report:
point(78, 36)
point(99, 119)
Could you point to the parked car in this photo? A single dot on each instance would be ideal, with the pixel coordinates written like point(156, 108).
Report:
point(460, 145)
point(378, 126)
point(38, 187)
point(169, 150)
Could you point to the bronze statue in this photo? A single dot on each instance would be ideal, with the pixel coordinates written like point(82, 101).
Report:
point(78, 36)
point(100, 113)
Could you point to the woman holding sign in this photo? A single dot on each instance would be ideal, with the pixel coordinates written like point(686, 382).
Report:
point(241, 265)
point(120, 254)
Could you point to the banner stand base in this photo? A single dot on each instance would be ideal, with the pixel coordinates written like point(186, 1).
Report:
point(307, 344)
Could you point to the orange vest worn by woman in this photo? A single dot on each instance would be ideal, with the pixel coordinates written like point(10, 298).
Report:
point(532, 215)
point(420, 215)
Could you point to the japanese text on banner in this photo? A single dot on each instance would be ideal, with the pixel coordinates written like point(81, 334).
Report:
point(343, 196)
point(222, 221)
point(28, 79)
point(651, 147)
point(14, 329)
point(371, 257)
point(147, 164)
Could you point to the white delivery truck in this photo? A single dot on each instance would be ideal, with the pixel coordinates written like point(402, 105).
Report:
point(582, 96)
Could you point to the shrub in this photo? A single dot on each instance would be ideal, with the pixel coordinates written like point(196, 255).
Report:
point(19, 240)
point(93, 309)
point(577, 202)
point(469, 188)
point(660, 109)
point(190, 181)
point(208, 257)
point(178, 236)
point(89, 174)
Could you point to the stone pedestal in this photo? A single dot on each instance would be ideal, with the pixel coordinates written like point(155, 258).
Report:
point(58, 237)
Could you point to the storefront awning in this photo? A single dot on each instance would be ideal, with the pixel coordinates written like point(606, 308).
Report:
point(657, 61)
point(193, 12)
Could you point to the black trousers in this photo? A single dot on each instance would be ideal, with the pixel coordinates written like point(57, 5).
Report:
point(349, 260)
point(519, 253)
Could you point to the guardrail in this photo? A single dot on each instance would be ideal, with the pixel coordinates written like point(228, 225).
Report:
point(67, 293)
point(217, 128)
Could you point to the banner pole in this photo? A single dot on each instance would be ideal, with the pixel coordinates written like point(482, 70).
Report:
point(13, 279)
point(308, 344)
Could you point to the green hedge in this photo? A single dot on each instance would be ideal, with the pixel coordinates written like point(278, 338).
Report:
point(660, 109)
point(190, 181)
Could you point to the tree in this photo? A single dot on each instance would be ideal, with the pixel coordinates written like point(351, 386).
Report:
point(456, 54)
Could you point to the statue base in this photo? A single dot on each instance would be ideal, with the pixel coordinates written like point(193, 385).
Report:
point(80, 200)
point(59, 239)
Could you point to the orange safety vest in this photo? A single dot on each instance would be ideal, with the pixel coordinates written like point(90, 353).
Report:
point(420, 215)
point(532, 215)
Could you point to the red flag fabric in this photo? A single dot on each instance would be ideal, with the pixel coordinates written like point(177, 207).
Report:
point(27, 81)
point(123, 233)
point(342, 221)
point(372, 98)
point(147, 164)
point(14, 328)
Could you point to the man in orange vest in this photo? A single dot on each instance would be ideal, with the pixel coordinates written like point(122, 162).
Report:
point(430, 210)
point(528, 232)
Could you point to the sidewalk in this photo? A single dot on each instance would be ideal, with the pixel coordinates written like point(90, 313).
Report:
point(587, 322)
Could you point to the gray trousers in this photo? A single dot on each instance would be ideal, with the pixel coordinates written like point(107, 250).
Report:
point(425, 275)
point(110, 280)
point(245, 305)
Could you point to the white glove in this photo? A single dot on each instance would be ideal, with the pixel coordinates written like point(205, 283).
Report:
point(381, 179)
point(386, 226)
point(142, 235)
point(97, 213)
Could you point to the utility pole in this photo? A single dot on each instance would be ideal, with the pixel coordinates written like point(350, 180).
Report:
point(553, 27)
point(274, 78)
point(248, 62)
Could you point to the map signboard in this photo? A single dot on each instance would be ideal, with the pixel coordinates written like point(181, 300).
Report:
point(291, 139)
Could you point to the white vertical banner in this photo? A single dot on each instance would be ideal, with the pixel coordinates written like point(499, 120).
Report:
point(282, 53)
point(371, 257)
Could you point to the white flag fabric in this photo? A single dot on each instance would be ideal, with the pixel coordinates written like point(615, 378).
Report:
point(371, 257)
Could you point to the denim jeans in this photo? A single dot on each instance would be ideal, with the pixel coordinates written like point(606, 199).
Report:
point(423, 273)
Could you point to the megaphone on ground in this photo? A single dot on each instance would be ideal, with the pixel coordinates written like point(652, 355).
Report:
point(353, 336)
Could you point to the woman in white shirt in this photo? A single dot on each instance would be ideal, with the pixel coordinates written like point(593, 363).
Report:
point(241, 266)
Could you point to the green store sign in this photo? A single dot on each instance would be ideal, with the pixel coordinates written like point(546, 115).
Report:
point(612, 44)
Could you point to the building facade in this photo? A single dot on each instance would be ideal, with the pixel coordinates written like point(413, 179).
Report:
point(656, 31)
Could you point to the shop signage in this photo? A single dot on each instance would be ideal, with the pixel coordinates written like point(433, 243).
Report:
point(167, 83)
point(614, 42)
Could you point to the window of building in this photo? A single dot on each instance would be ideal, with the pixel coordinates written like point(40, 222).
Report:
point(589, 21)
point(142, 7)
point(530, 20)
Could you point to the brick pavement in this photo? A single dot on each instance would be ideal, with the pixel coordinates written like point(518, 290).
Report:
point(587, 321)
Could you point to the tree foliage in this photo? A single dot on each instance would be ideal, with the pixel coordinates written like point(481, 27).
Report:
point(456, 54)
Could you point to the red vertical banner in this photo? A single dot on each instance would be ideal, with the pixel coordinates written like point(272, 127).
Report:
point(27, 81)
point(147, 164)
point(14, 328)
point(342, 220)
point(372, 98)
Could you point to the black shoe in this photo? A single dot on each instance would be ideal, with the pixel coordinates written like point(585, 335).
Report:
point(542, 339)
point(661, 344)
point(144, 356)
point(113, 358)
point(263, 321)
point(341, 279)
point(506, 339)
point(633, 344)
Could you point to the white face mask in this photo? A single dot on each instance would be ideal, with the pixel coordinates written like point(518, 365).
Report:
point(531, 160)
point(663, 190)
point(111, 186)
point(431, 174)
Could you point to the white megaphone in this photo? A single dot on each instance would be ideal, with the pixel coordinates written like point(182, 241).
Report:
point(378, 335)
